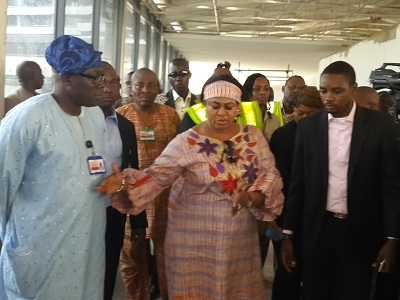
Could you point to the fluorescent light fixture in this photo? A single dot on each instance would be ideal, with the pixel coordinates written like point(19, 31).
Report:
point(176, 26)
point(159, 2)
point(201, 27)
point(232, 8)
point(203, 7)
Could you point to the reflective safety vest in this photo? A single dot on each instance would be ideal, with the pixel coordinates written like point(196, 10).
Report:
point(250, 114)
point(278, 112)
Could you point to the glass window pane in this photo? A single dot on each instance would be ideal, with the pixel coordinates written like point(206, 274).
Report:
point(161, 62)
point(30, 30)
point(37, 3)
point(129, 47)
point(79, 19)
point(153, 48)
point(142, 43)
point(108, 30)
point(167, 50)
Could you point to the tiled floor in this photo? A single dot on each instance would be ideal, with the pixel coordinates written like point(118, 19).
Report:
point(119, 293)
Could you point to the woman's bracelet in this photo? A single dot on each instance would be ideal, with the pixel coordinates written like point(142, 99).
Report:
point(122, 185)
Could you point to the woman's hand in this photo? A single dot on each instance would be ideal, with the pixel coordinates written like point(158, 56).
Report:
point(243, 199)
point(113, 183)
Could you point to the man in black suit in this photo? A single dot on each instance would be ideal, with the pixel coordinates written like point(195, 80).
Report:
point(121, 149)
point(179, 97)
point(306, 101)
point(345, 189)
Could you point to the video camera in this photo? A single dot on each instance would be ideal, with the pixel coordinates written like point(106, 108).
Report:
point(388, 79)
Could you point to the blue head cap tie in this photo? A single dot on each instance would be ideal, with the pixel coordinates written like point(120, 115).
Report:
point(70, 55)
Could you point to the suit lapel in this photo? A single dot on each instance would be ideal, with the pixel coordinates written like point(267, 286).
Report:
point(170, 102)
point(323, 148)
point(125, 143)
point(358, 136)
point(192, 99)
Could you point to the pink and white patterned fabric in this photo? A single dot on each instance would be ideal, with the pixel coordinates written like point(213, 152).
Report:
point(210, 254)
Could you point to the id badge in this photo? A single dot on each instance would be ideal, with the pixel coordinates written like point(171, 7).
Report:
point(96, 165)
point(147, 134)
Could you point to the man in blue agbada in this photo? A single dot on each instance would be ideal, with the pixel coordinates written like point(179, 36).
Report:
point(52, 220)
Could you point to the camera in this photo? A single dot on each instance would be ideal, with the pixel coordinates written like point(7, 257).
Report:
point(387, 81)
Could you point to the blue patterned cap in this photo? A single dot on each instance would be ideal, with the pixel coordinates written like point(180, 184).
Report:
point(70, 55)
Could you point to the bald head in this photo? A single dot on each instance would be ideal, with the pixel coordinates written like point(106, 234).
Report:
point(25, 68)
point(30, 75)
point(367, 97)
point(144, 72)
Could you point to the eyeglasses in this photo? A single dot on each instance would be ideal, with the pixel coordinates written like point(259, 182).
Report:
point(180, 73)
point(96, 78)
point(141, 86)
point(230, 152)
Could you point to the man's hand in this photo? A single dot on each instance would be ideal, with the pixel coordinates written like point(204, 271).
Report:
point(288, 261)
point(387, 259)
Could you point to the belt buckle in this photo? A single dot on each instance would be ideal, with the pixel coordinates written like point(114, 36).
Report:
point(340, 216)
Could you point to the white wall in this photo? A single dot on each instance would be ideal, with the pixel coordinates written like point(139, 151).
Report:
point(365, 56)
point(370, 54)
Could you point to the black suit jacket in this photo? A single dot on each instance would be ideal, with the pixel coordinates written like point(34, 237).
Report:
point(186, 122)
point(115, 229)
point(171, 102)
point(129, 143)
point(373, 182)
point(130, 159)
point(282, 146)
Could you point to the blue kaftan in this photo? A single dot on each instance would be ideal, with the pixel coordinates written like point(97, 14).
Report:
point(52, 220)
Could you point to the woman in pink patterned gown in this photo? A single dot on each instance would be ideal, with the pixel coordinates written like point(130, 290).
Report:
point(223, 179)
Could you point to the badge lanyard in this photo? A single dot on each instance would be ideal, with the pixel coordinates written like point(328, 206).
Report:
point(95, 162)
point(147, 134)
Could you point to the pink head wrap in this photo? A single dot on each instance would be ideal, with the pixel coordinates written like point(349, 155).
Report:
point(222, 89)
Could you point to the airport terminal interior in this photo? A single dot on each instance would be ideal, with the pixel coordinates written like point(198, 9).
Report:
point(278, 38)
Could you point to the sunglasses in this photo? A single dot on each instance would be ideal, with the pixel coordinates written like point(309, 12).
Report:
point(180, 73)
point(230, 152)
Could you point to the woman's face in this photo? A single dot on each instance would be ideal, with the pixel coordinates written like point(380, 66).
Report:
point(221, 112)
point(303, 111)
point(261, 91)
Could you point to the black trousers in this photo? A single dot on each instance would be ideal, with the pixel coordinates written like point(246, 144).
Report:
point(287, 286)
point(115, 230)
point(333, 271)
point(387, 286)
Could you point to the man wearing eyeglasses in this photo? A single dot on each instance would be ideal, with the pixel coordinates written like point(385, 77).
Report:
point(179, 97)
point(52, 221)
point(121, 148)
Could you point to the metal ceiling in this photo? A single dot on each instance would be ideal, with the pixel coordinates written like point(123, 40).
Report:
point(341, 21)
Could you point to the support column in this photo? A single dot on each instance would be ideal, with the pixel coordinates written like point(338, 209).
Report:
point(3, 39)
